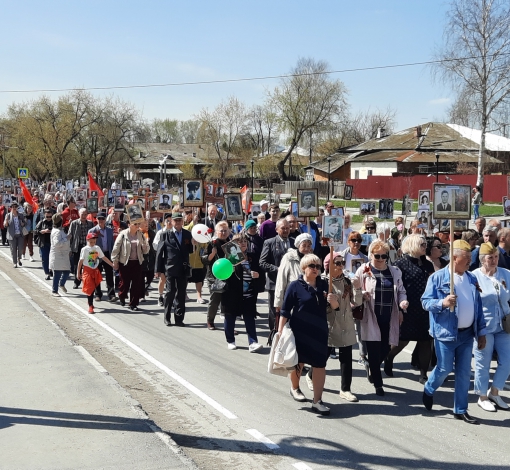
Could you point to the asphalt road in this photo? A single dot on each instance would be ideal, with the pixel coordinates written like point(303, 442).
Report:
point(226, 411)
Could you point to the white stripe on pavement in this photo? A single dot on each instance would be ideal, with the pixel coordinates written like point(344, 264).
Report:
point(143, 353)
point(260, 437)
point(301, 466)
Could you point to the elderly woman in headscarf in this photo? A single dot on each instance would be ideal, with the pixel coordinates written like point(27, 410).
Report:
point(494, 284)
point(342, 333)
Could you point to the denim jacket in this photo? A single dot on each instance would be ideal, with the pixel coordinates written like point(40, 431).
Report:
point(495, 297)
point(443, 322)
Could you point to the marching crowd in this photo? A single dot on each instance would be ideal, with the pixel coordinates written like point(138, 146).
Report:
point(379, 296)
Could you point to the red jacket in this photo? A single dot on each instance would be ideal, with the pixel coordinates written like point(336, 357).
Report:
point(3, 213)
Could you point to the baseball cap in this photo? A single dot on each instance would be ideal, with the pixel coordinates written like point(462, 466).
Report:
point(91, 235)
point(250, 223)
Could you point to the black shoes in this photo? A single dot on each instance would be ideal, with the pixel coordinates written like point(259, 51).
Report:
point(388, 368)
point(379, 391)
point(465, 417)
point(134, 309)
point(122, 302)
point(428, 401)
point(168, 322)
point(161, 301)
point(181, 323)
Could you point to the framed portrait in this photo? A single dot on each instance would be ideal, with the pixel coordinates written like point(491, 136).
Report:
point(134, 213)
point(193, 191)
point(294, 210)
point(367, 238)
point(93, 193)
point(367, 208)
point(59, 184)
point(255, 210)
point(69, 185)
point(348, 192)
point(210, 190)
point(355, 264)
point(119, 204)
point(506, 206)
point(233, 206)
point(307, 200)
point(7, 185)
point(452, 201)
point(219, 190)
point(458, 225)
point(51, 187)
point(423, 217)
point(141, 200)
point(332, 228)
point(135, 186)
point(81, 196)
point(424, 197)
point(153, 204)
point(1, 184)
point(17, 191)
point(338, 211)
point(92, 204)
point(233, 253)
point(165, 202)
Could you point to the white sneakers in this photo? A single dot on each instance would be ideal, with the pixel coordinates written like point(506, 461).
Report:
point(231, 346)
point(320, 408)
point(348, 396)
point(486, 405)
point(254, 347)
point(297, 394)
point(498, 401)
point(309, 381)
point(31, 258)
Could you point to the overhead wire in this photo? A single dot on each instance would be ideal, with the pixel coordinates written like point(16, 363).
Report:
point(246, 79)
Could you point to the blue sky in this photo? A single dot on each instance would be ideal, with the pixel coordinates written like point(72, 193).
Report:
point(65, 44)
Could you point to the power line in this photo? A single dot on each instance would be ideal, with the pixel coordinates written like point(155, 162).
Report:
point(250, 79)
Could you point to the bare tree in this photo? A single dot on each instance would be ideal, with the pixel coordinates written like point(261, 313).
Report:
point(222, 128)
point(308, 99)
point(262, 123)
point(166, 130)
point(189, 130)
point(475, 57)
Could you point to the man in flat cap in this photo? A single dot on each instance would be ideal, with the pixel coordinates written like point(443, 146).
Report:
point(193, 187)
point(455, 320)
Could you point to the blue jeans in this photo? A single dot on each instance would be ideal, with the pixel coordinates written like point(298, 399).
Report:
point(500, 342)
point(44, 251)
point(230, 323)
point(476, 214)
point(59, 279)
point(447, 353)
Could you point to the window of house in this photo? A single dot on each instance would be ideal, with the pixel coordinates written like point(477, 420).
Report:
point(369, 173)
point(356, 174)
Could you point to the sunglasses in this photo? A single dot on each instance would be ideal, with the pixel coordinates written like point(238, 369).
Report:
point(339, 263)
point(381, 256)
point(423, 245)
point(314, 266)
point(355, 240)
point(370, 228)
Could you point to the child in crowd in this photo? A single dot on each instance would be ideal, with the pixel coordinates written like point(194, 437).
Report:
point(90, 257)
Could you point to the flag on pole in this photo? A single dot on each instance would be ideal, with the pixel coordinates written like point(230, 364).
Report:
point(246, 199)
point(28, 197)
point(94, 186)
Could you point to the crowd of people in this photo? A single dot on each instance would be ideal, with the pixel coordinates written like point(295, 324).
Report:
point(379, 295)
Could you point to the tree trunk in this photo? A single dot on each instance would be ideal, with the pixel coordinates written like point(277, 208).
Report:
point(479, 179)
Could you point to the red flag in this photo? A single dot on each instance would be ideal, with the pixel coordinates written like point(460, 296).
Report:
point(94, 186)
point(28, 197)
point(246, 199)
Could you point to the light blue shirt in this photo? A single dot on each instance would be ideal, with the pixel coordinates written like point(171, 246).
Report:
point(178, 235)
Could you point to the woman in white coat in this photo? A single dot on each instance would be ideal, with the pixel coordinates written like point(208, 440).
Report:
point(60, 262)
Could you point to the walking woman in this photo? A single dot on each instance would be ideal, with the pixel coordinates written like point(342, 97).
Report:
point(15, 222)
point(305, 307)
point(416, 270)
point(127, 257)
point(383, 294)
point(342, 333)
point(242, 297)
point(494, 284)
point(28, 238)
point(60, 261)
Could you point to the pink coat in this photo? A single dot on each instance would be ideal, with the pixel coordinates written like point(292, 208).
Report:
point(369, 327)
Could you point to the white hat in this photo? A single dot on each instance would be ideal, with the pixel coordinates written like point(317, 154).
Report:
point(263, 202)
point(302, 238)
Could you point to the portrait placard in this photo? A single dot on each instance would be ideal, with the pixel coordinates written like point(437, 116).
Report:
point(452, 201)
point(92, 205)
point(367, 208)
point(506, 206)
point(386, 208)
point(153, 204)
point(348, 192)
point(233, 252)
point(232, 206)
point(134, 213)
point(294, 211)
point(423, 197)
point(307, 200)
point(332, 228)
point(120, 203)
point(367, 238)
point(165, 202)
point(194, 193)
point(69, 185)
point(140, 200)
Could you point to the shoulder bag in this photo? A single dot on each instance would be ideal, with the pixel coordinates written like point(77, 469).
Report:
point(218, 286)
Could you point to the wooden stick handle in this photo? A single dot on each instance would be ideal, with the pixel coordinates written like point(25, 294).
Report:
point(331, 251)
point(452, 278)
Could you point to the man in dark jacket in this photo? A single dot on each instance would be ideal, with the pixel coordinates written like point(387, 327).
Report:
point(172, 259)
point(271, 257)
point(78, 230)
point(43, 240)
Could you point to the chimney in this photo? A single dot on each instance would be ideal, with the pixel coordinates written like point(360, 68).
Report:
point(380, 132)
point(417, 132)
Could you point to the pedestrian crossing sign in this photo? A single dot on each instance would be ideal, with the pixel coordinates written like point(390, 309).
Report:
point(22, 172)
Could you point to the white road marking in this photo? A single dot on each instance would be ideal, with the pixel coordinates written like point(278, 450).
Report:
point(260, 437)
point(301, 466)
point(143, 353)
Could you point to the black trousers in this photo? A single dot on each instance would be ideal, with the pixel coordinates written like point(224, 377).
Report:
point(176, 289)
point(272, 311)
point(212, 309)
point(4, 236)
point(377, 352)
point(345, 356)
point(108, 274)
point(76, 260)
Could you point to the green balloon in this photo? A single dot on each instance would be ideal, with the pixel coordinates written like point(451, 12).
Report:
point(222, 269)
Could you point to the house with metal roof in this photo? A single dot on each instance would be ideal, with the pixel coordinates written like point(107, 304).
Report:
point(427, 148)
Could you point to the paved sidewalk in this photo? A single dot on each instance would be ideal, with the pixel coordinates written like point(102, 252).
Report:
point(57, 411)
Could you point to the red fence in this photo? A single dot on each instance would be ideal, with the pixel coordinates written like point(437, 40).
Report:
point(378, 187)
